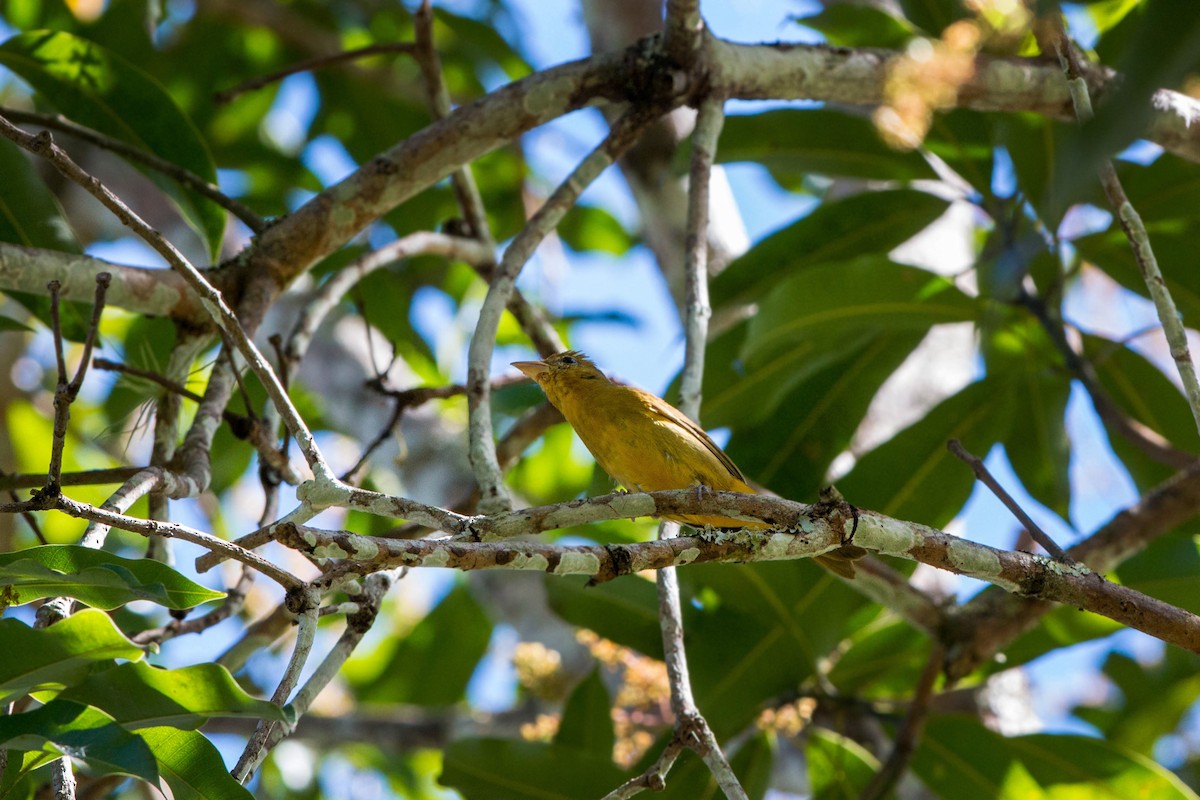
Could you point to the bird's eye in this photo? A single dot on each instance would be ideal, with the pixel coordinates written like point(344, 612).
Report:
point(568, 360)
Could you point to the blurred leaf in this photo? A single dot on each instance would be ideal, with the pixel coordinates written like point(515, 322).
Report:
point(587, 718)
point(1166, 569)
point(594, 228)
point(760, 633)
point(864, 224)
point(97, 578)
point(913, 476)
point(60, 655)
point(933, 16)
point(192, 766)
point(1154, 699)
point(852, 25)
point(1174, 249)
point(838, 767)
point(7, 325)
point(794, 144)
point(791, 450)
point(1106, 14)
point(1168, 189)
point(1034, 144)
point(882, 660)
point(485, 769)
point(965, 140)
point(1161, 50)
point(1143, 392)
point(959, 758)
point(85, 733)
point(433, 664)
point(146, 345)
point(624, 611)
point(1061, 627)
point(97, 88)
point(830, 304)
point(139, 696)
point(29, 212)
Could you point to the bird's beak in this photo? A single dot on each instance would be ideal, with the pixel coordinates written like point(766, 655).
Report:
point(532, 369)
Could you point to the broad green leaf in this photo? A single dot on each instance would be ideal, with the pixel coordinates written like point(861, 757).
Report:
point(594, 228)
point(882, 660)
point(791, 450)
point(8, 324)
point(85, 733)
point(850, 25)
point(1166, 569)
point(793, 144)
point(1061, 626)
point(97, 88)
point(838, 767)
point(29, 212)
point(60, 655)
point(871, 223)
point(1154, 699)
point(1143, 392)
point(485, 769)
point(965, 140)
point(932, 15)
point(587, 718)
point(913, 476)
point(433, 664)
point(760, 632)
point(1034, 144)
point(191, 765)
point(1168, 189)
point(958, 758)
point(829, 304)
point(97, 578)
point(139, 695)
point(1106, 14)
point(1174, 249)
point(624, 611)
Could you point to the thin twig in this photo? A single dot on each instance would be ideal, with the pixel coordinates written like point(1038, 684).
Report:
point(986, 478)
point(91, 477)
point(234, 601)
point(223, 97)
point(43, 145)
point(482, 452)
point(653, 779)
point(169, 168)
point(1135, 230)
point(910, 730)
point(306, 603)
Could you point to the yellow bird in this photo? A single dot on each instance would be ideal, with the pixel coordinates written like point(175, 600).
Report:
point(642, 441)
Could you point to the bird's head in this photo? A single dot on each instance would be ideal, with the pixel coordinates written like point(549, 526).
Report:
point(559, 373)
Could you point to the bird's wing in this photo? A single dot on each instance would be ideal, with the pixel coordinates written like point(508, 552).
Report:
point(663, 410)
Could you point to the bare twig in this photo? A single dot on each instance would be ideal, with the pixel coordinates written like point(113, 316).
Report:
point(985, 477)
point(223, 97)
point(43, 145)
point(654, 778)
point(493, 494)
point(909, 733)
point(169, 168)
point(89, 477)
point(1135, 231)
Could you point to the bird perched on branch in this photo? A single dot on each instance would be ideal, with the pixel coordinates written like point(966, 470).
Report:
point(642, 441)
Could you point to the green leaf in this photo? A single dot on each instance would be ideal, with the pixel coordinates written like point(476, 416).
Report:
point(864, 224)
point(1168, 189)
point(485, 769)
point(433, 664)
point(1034, 143)
point(792, 448)
point(29, 212)
point(1061, 627)
point(794, 144)
point(100, 89)
point(965, 140)
point(60, 655)
point(191, 766)
point(97, 578)
point(838, 767)
point(139, 695)
point(759, 633)
point(1166, 569)
point(84, 733)
point(882, 660)
point(829, 304)
point(958, 758)
point(594, 228)
point(932, 16)
point(9, 324)
point(852, 25)
point(587, 718)
point(624, 611)
point(913, 475)
point(1143, 392)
